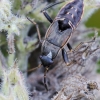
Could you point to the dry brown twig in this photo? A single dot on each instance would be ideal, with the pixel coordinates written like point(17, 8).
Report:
point(81, 53)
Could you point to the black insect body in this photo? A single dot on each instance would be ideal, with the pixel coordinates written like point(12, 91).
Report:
point(61, 28)
point(59, 32)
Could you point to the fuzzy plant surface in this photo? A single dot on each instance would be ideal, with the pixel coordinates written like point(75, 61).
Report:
point(13, 86)
point(20, 50)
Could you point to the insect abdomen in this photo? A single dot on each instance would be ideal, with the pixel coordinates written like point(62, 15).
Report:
point(72, 11)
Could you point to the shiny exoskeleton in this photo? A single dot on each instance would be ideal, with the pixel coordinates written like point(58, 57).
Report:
point(59, 32)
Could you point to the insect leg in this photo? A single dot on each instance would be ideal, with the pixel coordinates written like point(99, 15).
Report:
point(51, 5)
point(34, 68)
point(69, 46)
point(65, 56)
point(46, 14)
point(46, 69)
point(37, 28)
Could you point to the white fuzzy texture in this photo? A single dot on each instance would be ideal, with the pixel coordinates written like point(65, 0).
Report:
point(11, 47)
point(10, 23)
point(8, 20)
point(13, 86)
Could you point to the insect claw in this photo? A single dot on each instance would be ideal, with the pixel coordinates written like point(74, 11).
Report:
point(71, 50)
point(67, 64)
point(46, 87)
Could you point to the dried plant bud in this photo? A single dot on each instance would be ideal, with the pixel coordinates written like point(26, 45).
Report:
point(13, 84)
point(11, 47)
point(75, 88)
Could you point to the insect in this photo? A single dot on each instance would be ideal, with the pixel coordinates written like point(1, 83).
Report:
point(59, 33)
